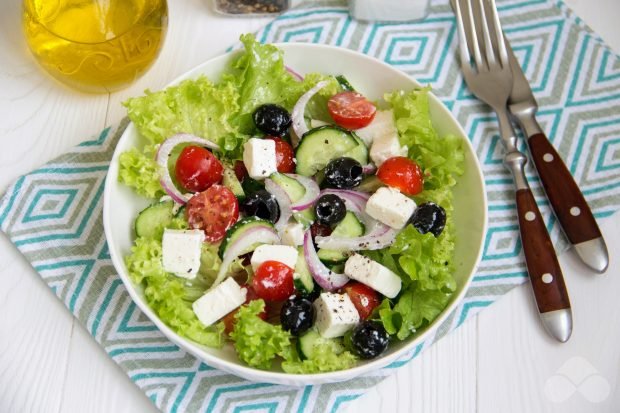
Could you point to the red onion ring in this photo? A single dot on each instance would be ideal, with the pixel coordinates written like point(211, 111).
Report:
point(293, 73)
point(284, 202)
point(326, 278)
point(297, 115)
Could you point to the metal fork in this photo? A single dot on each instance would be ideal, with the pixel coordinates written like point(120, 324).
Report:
point(485, 66)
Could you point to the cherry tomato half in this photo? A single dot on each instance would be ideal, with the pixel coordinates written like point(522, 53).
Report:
point(273, 281)
point(229, 319)
point(351, 110)
point(364, 298)
point(285, 157)
point(402, 173)
point(197, 169)
point(214, 211)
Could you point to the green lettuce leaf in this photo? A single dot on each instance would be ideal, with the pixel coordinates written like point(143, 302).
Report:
point(139, 171)
point(257, 342)
point(415, 307)
point(441, 158)
point(165, 294)
point(196, 106)
point(327, 356)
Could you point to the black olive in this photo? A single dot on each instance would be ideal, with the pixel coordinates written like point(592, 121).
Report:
point(369, 339)
point(272, 119)
point(297, 315)
point(263, 205)
point(330, 209)
point(343, 173)
point(429, 217)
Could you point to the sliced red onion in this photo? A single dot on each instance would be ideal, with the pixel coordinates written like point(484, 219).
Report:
point(369, 169)
point(293, 73)
point(163, 153)
point(311, 194)
point(379, 236)
point(325, 277)
point(284, 202)
point(247, 242)
point(299, 122)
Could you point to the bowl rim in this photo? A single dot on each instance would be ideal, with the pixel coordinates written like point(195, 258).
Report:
point(281, 377)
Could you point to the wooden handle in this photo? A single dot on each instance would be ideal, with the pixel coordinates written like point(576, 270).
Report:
point(542, 263)
point(566, 199)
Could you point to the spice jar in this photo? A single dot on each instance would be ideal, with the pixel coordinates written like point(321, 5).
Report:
point(250, 7)
point(388, 10)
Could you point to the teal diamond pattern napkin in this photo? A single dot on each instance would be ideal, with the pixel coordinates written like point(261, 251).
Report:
point(53, 214)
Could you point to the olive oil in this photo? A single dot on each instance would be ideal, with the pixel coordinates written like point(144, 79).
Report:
point(95, 45)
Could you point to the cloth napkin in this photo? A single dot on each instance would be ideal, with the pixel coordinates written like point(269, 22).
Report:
point(53, 215)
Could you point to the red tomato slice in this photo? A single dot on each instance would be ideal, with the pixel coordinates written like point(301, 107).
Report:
point(285, 157)
point(351, 110)
point(402, 173)
point(214, 211)
point(197, 169)
point(364, 298)
point(229, 319)
point(273, 281)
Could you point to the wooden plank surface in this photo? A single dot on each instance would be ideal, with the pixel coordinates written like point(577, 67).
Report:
point(497, 362)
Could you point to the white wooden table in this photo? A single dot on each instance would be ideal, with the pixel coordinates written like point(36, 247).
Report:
point(500, 361)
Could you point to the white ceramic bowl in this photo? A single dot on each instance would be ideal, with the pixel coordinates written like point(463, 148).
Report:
point(374, 78)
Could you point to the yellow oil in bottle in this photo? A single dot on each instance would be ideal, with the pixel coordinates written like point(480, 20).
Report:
point(95, 45)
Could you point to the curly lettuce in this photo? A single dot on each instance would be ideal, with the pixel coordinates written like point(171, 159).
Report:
point(138, 170)
point(327, 355)
point(442, 158)
point(257, 342)
point(166, 294)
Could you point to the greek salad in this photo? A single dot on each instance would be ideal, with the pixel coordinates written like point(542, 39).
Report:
point(292, 216)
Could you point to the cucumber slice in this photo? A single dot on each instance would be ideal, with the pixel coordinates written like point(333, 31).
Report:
point(305, 217)
point(230, 181)
point(344, 83)
point(307, 342)
point(291, 186)
point(370, 184)
point(349, 227)
point(320, 145)
point(301, 277)
point(240, 228)
point(153, 219)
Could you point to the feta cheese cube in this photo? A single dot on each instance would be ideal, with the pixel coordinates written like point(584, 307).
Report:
point(382, 124)
point(391, 207)
point(283, 253)
point(181, 252)
point(373, 274)
point(385, 147)
point(219, 301)
point(259, 157)
point(335, 314)
point(293, 234)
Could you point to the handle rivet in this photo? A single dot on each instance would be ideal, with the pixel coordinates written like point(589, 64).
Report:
point(547, 278)
point(575, 211)
point(548, 157)
point(530, 216)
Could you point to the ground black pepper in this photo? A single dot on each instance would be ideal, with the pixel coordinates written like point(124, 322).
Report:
point(251, 6)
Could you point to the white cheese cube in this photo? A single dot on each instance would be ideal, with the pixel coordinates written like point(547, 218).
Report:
point(283, 253)
point(385, 147)
point(391, 207)
point(373, 274)
point(181, 252)
point(259, 157)
point(293, 234)
point(382, 124)
point(335, 314)
point(219, 301)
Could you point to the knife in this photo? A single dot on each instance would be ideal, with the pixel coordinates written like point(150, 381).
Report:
point(567, 201)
